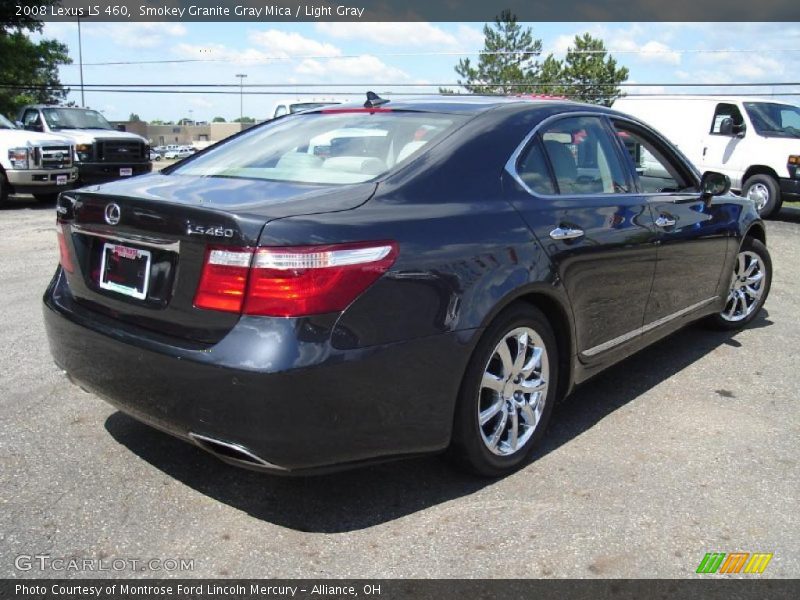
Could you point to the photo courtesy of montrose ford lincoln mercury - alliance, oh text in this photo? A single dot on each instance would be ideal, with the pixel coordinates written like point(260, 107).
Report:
point(376, 280)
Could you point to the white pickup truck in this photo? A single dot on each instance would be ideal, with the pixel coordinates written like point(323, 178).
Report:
point(102, 153)
point(34, 163)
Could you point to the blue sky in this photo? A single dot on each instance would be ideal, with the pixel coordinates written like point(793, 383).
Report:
point(382, 54)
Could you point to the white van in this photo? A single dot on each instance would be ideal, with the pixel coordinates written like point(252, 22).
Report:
point(754, 141)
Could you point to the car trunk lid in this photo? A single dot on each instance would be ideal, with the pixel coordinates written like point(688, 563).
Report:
point(137, 247)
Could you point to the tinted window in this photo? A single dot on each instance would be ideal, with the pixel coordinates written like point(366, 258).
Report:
point(774, 120)
point(726, 111)
point(75, 118)
point(532, 169)
point(658, 171)
point(583, 157)
point(341, 147)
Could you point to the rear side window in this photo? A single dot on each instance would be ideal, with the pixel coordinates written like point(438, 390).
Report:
point(339, 147)
point(533, 170)
point(583, 157)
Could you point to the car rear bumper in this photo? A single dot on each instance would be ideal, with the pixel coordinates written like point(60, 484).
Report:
point(274, 388)
point(40, 181)
point(790, 189)
point(92, 173)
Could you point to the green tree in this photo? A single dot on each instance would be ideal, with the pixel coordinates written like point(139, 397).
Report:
point(28, 69)
point(134, 118)
point(590, 74)
point(508, 63)
point(551, 77)
point(219, 120)
point(244, 120)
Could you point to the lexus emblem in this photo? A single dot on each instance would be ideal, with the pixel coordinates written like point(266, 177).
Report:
point(112, 213)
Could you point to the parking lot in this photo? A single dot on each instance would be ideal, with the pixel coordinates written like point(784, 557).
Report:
point(687, 448)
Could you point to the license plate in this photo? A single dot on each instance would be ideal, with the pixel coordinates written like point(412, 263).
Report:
point(126, 172)
point(125, 270)
point(61, 180)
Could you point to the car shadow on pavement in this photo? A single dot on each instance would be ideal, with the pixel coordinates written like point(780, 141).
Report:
point(27, 203)
point(361, 498)
point(789, 214)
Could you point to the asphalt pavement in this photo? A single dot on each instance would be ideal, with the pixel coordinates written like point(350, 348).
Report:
point(689, 447)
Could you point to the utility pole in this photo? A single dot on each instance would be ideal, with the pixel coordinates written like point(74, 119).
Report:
point(241, 77)
point(80, 61)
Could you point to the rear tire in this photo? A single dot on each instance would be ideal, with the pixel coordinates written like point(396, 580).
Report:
point(507, 394)
point(764, 191)
point(750, 283)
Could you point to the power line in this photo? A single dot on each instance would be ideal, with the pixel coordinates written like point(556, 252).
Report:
point(404, 85)
point(282, 57)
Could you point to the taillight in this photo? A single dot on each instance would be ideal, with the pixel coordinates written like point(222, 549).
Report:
point(224, 279)
point(293, 281)
point(64, 259)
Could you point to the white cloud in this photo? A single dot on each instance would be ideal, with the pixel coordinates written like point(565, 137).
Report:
point(654, 51)
point(469, 37)
point(625, 43)
point(285, 44)
point(137, 35)
point(364, 68)
point(392, 34)
point(220, 52)
point(747, 66)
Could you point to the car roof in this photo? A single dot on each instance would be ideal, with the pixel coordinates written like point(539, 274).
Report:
point(461, 103)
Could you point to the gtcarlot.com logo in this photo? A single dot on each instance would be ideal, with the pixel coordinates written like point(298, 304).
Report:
point(735, 562)
point(45, 562)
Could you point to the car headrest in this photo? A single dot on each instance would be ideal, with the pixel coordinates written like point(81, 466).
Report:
point(364, 165)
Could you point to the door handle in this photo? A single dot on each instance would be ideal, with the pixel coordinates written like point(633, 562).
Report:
point(664, 221)
point(566, 233)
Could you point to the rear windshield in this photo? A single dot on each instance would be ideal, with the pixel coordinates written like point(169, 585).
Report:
point(325, 148)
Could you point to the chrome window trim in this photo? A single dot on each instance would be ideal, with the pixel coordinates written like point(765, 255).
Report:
point(511, 163)
point(130, 239)
point(644, 329)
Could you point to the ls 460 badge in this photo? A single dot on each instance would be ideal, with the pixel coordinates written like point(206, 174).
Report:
point(211, 230)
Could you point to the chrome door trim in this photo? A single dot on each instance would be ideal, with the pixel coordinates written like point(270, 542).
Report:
point(566, 233)
point(649, 327)
point(130, 239)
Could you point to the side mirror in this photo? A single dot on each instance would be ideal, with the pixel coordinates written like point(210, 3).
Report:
point(726, 126)
point(19, 124)
point(714, 184)
point(739, 129)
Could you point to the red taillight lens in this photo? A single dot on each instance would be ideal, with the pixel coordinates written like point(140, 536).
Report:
point(64, 259)
point(291, 281)
point(297, 281)
point(224, 279)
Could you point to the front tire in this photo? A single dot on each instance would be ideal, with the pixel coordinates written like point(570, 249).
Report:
point(750, 283)
point(507, 394)
point(764, 191)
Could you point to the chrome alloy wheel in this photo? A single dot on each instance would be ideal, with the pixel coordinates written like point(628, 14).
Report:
point(747, 286)
point(513, 391)
point(759, 194)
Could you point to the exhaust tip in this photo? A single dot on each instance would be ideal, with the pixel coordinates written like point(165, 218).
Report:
point(232, 453)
